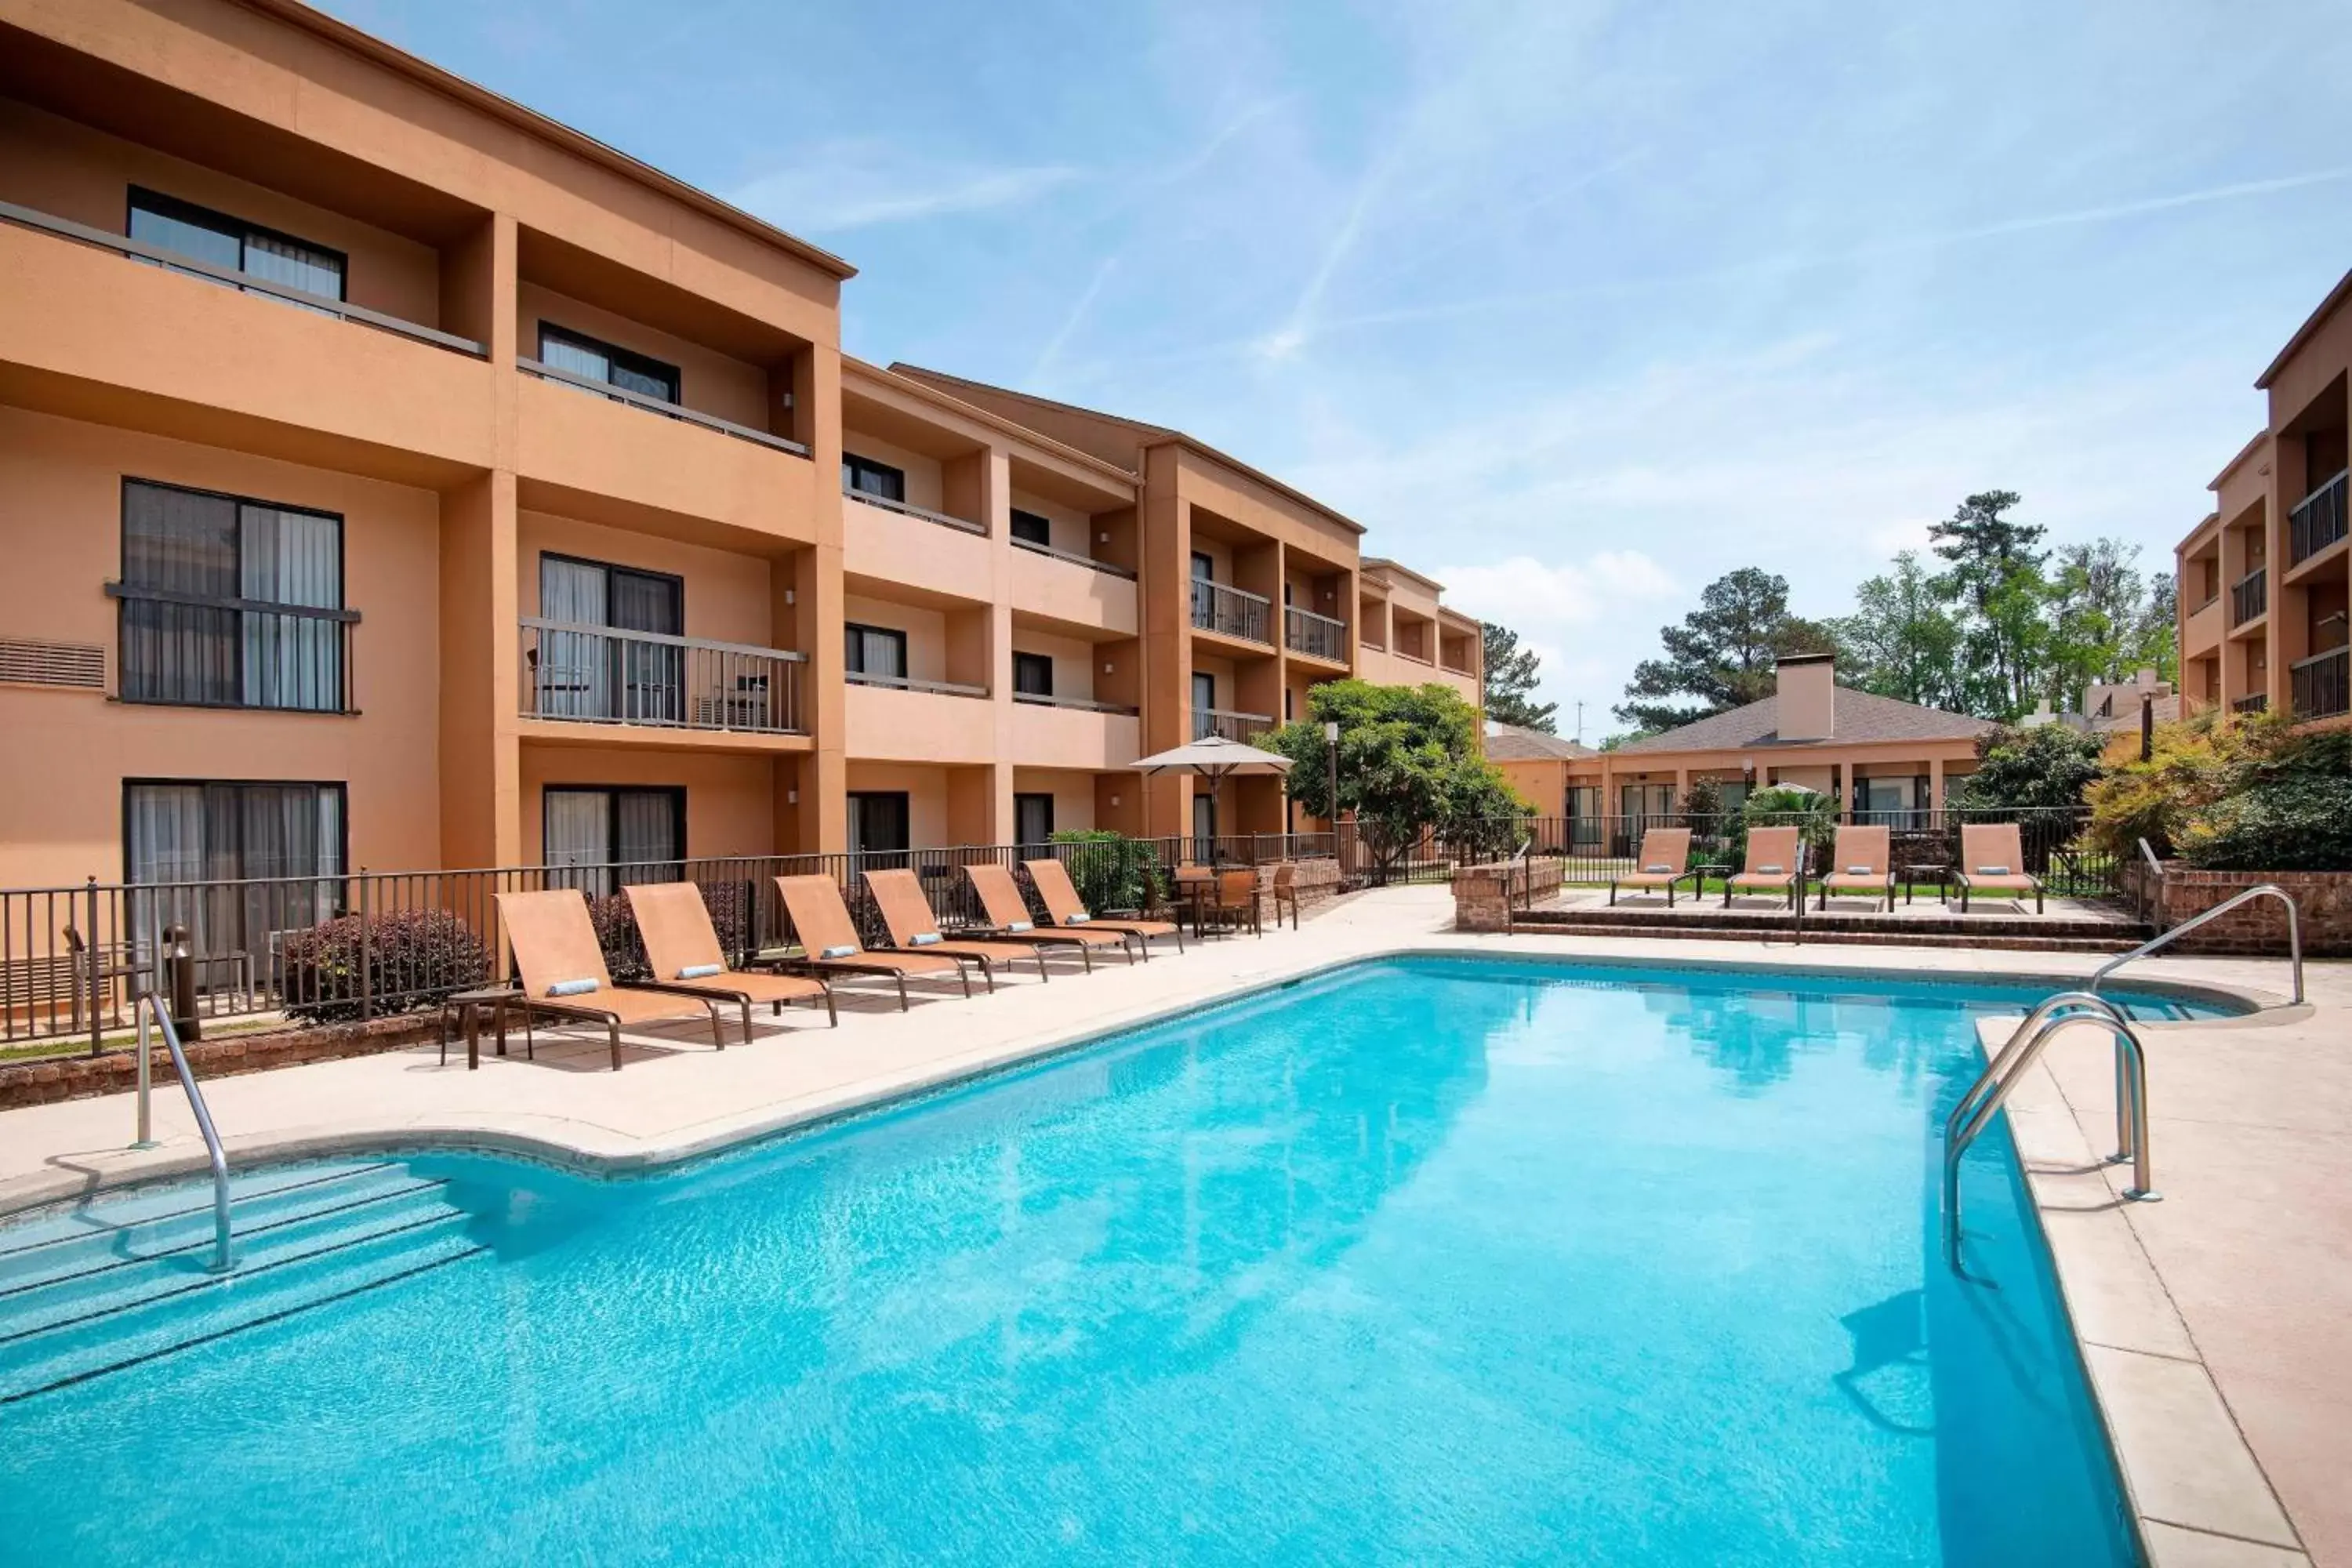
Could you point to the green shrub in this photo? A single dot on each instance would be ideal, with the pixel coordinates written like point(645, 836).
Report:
point(412, 959)
point(2248, 795)
point(1112, 871)
point(2302, 823)
point(2049, 765)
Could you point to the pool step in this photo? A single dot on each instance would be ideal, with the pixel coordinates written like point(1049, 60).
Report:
point(114, 1284)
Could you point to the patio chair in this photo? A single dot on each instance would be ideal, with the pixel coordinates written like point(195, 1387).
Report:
point(1664, 852)
point(828, 939)
point(1993, 860)
point(1285, 891)
point(1052, 880)
point(1235, 900)
point(682, 949)
point(1863, 862)
point(906, 915)
point(1008, 915)
point(1775, 857)
point(563, 973)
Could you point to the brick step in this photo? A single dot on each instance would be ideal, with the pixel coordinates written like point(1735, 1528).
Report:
point(1978, 939)
point(2129, 932)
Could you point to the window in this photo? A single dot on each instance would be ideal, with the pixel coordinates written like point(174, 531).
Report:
point(1033, 675)
point(230, 603)
point(1204, 690)
point(285, 842)
point(1033, 820)
point(204, 234)
point(878, 824)
point(1584, 814)
point(1286, 704)
point(865, 477)
point(1032, 529)
point(1204, 570)
point(612, 836)
point(584, 355)
point(590, 674)
point(877, 653)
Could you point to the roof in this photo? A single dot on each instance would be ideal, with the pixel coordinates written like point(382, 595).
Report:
point(554, 131)
point(2336, 297)
point(1147, 434)
point(1512, 743)
point(851, 364)
point(1383, 565)
point(1858, 718)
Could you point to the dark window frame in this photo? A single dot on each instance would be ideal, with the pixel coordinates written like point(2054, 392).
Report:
point(675, 580)
point(862, 630)
point(1040, 527)
point(1032, 662)
point(677, 793)
point(1204, 566)
point(854, 465)
point(643, 365)
point(342, 817)
point(906, 808)
point(1032, 795)
point(194, 213)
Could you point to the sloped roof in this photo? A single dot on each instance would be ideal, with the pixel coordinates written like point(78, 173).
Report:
point(1511, 743)
point(1858, 718)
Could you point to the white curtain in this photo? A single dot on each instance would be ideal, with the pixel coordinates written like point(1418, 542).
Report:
point(579, 834)
point(648, 820)
point(575, 675)
point(294, 265)
point(291, 558)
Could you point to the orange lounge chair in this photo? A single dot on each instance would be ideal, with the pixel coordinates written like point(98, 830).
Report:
point(563, 973)
point(1664, 852)
point(1993, 860)
point(1052, 880)
point(913, 929)
point(682, 949)
point(1008, 913)
point(829, 938)
point(1775, 857)
point(1863, 862)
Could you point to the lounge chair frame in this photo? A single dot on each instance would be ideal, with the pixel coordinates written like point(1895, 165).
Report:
point(881, 884)
point(1649, 881)
point(722, 985)
point(864, 961)
point(527, 1004)
point(995, 885)
point(2013, 845)
point(1052, 880)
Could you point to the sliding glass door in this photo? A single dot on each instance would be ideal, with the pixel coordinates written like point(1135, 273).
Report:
point(606, 674)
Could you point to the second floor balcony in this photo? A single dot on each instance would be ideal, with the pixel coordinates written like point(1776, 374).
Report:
point(606, 674)
point(2317, 520)
point(2249, 597)
point(2253, 702)
point(1231, 612)
point(1316, 636)
point(1245, 728)
point(2323, 684)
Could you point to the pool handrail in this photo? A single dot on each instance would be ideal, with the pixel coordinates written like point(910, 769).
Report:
point(2023, 1047)
point(148, 1006)
point(2260, 890)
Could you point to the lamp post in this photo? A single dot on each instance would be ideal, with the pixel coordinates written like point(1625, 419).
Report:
point(1332, 761)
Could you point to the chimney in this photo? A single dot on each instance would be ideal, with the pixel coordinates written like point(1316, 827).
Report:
point(1807, 686)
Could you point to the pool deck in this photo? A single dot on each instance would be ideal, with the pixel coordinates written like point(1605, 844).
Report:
point(2214, 1323)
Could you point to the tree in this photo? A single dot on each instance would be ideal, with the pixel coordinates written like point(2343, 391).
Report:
point(2049, 765)
point(1994, 570)
point(1723, 655)
point(1901, 640)
point(2097, 605)
point(1511, 676)
point(1408, 765)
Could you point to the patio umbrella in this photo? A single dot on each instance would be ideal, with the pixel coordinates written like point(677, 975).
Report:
point(1214, 757)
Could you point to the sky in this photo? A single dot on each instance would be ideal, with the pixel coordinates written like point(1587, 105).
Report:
point(1576, 306)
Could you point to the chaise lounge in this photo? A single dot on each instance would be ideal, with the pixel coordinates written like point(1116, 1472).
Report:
point(1008, 914)
point(682, 949)
point(1862, 864)
point(828, 938)
point(1993, 860)
point(563, 973)
point(1664, 852)
point(1052, 880)
point(1776, 857)
point(906, 915)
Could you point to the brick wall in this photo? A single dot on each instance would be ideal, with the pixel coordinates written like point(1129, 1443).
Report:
point(116, 1072)
point(1482, 894)
point(2324, 900)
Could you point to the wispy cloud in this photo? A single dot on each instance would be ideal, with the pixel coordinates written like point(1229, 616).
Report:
point(1051, 353)
point(858, 184)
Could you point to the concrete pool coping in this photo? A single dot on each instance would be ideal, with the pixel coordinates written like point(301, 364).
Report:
point(2198, 1492)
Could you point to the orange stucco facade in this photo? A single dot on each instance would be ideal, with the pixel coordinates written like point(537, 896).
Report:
point(1025, 579)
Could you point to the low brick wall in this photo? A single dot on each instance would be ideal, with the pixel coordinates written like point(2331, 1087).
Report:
point(2324, 900)
point(1317, 880)
point(1482, 894)
point(53, 1078)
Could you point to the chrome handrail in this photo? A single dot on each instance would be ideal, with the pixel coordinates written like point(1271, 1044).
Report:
point(2260, 890)
point(1992, 1090)
point(149, 1003)
point(2155, 911)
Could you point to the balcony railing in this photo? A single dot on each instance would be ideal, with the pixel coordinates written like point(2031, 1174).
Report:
point(1073, 558)
point(656, 405)
point(961, 524)
point(2254, 704)
point(1234, 612)
point(1242, 727)
point(2249, 597)
point(2317, 520)
point(1318, 637)
point(604, 675)
point(907, 683)
point(198, 650)
point(123, 244)
point(1084, 704)
point(2321, 684)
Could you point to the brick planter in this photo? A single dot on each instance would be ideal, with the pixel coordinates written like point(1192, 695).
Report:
point(117, 1072)
point(2258, 928)
point(1482, 894)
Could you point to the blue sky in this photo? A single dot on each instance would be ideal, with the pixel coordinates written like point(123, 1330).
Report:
point(1576, 306)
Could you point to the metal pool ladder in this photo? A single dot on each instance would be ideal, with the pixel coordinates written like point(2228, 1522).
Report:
point(1986, 1095)
point(2260, 890)
point(150, 1006)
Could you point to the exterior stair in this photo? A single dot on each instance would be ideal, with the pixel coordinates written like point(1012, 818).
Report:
point(2033, 933)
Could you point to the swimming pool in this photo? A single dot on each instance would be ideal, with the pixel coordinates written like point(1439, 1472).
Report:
point(1423, 1260)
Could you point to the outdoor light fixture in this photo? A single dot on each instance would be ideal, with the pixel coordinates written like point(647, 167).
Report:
point(791, 797)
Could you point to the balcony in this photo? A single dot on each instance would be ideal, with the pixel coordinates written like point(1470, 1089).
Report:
point(908, 508)
point(1076, 589)
point(1241, 727)
point(2249, 597)
point(892, 719)
point(2317, 521)
point(1230, 612)
point(196, 650)
point(1316, 636)
point(602, 675)
point(2320, 682)
point(679, 411)
point(1073, 732)
point(2256, 702)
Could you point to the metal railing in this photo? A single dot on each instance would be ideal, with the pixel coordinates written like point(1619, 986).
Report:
point(908, 508)
point(1107, 568)
point(150, 1009)
point(202, 650)
point(2252, 702)
point(2206, 916)
point(1231, 611)
point(2249, 596)
point(909, 683)
point(1233, 726)
point(2317, 521)
point(662, 406)
point(1083, 704)
point(123, 244)
point(1318, 637)
point(1985, 1097)
point(605, 675)
point(2321, 684)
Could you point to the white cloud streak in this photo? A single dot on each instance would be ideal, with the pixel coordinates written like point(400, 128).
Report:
point(858, 185)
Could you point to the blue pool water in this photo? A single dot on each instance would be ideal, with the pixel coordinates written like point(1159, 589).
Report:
point(1425, 1261)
